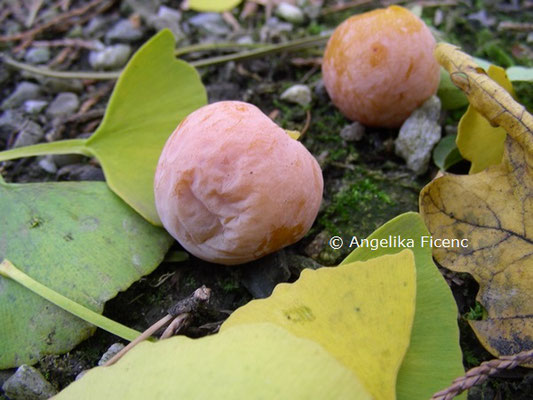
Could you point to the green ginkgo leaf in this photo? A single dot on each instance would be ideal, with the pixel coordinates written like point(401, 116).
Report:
point(213, 5)
point(446, 154)
point(153, 94)
point(77, 238)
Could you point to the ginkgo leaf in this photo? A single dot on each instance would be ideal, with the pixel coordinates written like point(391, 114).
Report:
point(213, 5)
point(477, 140)
point(434, 357)
point(253, 361)
point(153, 94)
point(517, 74)
point(361, 313)
point(493, 211)
point(446, 154)
point(77, 238)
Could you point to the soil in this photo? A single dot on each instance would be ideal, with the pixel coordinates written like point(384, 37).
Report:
point(366, 184)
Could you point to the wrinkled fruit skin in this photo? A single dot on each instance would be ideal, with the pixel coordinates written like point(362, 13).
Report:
point(378, 67)
point(231, 186)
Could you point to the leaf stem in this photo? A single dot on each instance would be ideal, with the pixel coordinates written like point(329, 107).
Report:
point(216, 46)
point(59, 74)
point(8, 270)
point(262, 50)
point(71, 146)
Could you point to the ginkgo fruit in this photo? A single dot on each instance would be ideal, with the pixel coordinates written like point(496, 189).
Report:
point(231, 186)
point(379, 67)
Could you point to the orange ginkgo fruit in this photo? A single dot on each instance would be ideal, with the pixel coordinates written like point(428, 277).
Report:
point(379, 66)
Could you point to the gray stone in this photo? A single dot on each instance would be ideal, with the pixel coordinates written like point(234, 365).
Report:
point(298, 263)
point(167, 18)
point(274, 29)
point(47, 164)
point(24, 91)
point(124, 31)
point(290, 13)
point(353, 132)
point(58, 85)
point(34, 106)
point(5, 374)
point(80, 172)
point(64, 104)
point(110, 353)
point(145, 8)
point(28, 384)
point(10, 123)
point(529, 38)
point(260, 277)
point(419, 134)
point(297, 94)
point(37, 55)
point(311, 8)
point(66, 159)
point(212, 23)
point(30, 133)
point(4, 75)
point(96, 27)
point(111, 57)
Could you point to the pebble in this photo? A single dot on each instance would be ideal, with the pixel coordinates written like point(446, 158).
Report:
point(80, 172)
point(290, 13)
point(167, 18)
point(419, 134)
point(212, 23)
point(274, 29)
point(62, 160)
point(353, 132)
point(64, 104)
point(47, 164)
point(37, 55)
point(28, 384)
point(260, 277)
point(30, 133)
point(34, 106)
point(124, 31)
point(111, 57)
point(10, 121)
point(24, 91)
point(58, 85)
point(144, 8)
point(110, 353)
point(96, 27)
point(297, 94)
point(298, 263)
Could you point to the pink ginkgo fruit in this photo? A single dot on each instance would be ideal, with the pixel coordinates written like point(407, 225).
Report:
point(231, 186)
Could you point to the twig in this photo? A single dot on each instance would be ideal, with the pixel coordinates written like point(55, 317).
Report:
point(84, 44)
point(176, 318)
point(515, 26)
point(60, 20)
point(478, 375)
point(216, 46)
point(306, 125)
point(143, 336)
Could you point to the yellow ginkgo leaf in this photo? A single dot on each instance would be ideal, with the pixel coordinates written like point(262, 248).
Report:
point(255, 361)
point(492, 211)
point(361, 313)
point(477, 140)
